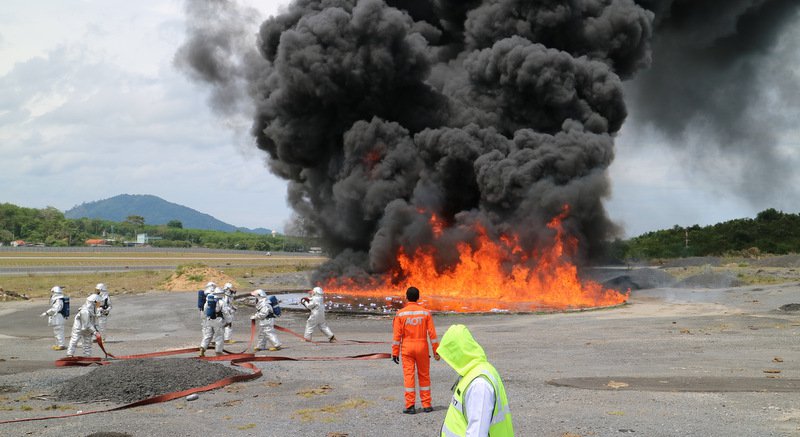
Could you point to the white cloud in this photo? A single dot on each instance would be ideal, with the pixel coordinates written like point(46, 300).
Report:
point(91, 107)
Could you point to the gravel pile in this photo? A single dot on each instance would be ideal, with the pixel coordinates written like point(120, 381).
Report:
point(133, 380)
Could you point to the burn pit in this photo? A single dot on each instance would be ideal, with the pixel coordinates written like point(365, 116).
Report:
point(492, 276)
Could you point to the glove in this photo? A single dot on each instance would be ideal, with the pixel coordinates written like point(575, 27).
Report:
point(43, 314)
point(396, 359)
point(436, 356)
point(253, 317)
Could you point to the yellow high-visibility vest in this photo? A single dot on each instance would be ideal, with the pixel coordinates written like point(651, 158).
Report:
point(455, 422)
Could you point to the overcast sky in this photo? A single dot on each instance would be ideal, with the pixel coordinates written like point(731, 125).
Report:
point(91, 106)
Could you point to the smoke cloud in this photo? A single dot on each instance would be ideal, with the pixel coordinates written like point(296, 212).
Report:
point(381, 114)
point(721, 86)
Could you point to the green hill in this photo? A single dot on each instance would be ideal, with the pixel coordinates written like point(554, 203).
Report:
point(155, 210)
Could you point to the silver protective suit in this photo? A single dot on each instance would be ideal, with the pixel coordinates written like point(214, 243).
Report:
point(228, 316)
point(266, 324)
point(317, 317)
point(102, 314)
point(213, 328)
point(56, 319)
point(83, 329)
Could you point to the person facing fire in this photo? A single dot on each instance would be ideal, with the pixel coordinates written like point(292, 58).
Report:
point(316, 304)
point(412, 326)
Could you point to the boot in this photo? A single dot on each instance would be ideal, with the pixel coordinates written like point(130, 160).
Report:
point(57, 348)
point(410, 410)
point(276, 348)
point(332, 339)
point(230, 341)
point(202, 351)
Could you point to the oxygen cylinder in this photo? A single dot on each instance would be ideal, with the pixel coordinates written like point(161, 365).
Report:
point(65, 308)
point(201, 299)
point(211, 307)
point(275, 307)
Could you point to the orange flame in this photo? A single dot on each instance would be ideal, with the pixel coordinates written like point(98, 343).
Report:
point(481, 280)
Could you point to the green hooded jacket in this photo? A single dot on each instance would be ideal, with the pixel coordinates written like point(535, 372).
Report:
point(460, 350)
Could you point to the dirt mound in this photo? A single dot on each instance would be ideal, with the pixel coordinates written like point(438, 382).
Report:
point(128, 381)
point(189, 278)
point(11, 295)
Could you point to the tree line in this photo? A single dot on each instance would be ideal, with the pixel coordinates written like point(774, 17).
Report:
point(771, 231)
point(49, 227)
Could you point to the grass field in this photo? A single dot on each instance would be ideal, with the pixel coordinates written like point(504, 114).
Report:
point(160, 267)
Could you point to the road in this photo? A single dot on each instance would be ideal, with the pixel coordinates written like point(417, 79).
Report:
point(674, 362)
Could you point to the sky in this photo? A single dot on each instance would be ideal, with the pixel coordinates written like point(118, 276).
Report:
point(92, 106)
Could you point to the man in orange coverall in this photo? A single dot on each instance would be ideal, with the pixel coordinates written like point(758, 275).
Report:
point(413, 325)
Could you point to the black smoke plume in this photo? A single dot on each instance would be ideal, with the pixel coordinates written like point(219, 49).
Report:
point(723, 82)
point(380, 114)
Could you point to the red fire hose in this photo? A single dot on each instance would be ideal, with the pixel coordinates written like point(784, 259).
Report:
point(241, 359)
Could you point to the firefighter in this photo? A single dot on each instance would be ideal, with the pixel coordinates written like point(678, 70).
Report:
point(227, 296)
point(56, 315)
point(412, 327)
point(316, 304)
point(265, 317)
point(105, 308)
point(84, 327)
point(213, 311)
point(479, 406)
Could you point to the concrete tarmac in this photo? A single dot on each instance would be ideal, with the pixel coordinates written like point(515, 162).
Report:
point(674, 362)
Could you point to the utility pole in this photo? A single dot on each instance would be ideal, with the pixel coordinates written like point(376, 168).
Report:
point(686, 238)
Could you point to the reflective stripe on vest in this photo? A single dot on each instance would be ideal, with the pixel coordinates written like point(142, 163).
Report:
point(455, 422)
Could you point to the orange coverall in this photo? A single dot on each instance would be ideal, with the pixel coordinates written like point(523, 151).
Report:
point(412, 326)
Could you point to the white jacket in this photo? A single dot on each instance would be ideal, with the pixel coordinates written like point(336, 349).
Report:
point(54, 312)
point(317, 307)
point(85, 319)
point(263, 312)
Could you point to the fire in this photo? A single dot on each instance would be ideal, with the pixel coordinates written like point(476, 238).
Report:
point(482, 281)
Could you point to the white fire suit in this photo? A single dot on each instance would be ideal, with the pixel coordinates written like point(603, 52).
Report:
point(83, 329)
point(265, 317)
point(317, 317)
point(55, 319)
point(228, 316)
point(102, 314)
point(213, 329)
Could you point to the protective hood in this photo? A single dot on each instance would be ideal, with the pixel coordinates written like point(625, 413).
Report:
point(460, 350)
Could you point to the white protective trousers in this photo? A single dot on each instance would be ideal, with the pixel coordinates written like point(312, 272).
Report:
point(56, 320)
point(212, 331)
point(317, 318)
point(266, 325)
point(82, 330)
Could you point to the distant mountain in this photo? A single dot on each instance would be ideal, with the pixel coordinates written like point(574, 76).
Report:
point(155, 210)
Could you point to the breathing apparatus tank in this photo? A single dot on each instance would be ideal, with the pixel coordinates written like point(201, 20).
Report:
point(211, 307)
point(201, 299)
point(65, 308)
point(276, 309)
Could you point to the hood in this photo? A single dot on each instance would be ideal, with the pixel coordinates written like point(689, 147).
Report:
point(460, 350)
